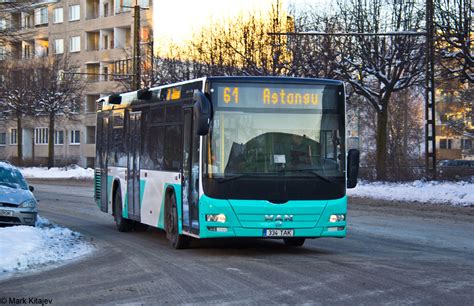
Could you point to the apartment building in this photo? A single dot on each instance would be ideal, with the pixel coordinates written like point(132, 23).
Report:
point(96, 35)
point(455, 123)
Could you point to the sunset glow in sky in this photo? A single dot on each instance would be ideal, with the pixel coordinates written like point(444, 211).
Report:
point(177, 20)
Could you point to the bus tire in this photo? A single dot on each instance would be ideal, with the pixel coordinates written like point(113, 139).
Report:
point(296, 242)
point(177, 241)
point(123, 225)
point(140, 227)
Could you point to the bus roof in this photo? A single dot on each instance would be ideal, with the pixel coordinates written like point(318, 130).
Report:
point(263, 79)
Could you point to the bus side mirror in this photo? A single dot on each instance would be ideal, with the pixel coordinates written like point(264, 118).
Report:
point(352, 167)
point(115, 99)
point(202, 113)
point(144, 94)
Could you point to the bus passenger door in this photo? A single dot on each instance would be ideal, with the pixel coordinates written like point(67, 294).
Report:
point(190, 177)
point(103, 155)
point(133, 165)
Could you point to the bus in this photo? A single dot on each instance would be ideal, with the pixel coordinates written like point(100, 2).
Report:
point(220, 157)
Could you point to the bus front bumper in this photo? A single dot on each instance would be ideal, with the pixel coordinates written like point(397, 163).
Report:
point(252, 218)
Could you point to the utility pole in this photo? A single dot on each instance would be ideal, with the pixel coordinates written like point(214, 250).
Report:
point(136, 65)
point(136, 47)
point(430, 113)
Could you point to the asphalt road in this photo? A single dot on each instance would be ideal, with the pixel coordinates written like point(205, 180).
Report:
point(394, 254)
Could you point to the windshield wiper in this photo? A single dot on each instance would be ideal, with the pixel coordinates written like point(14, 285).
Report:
point(310, 171)
point(237, 176)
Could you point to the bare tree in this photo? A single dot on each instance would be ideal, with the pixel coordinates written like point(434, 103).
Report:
point(376, 67)
point(240, 46)
point(58, 92)
point(453, 21)
point(17, 97)
point(312, 55)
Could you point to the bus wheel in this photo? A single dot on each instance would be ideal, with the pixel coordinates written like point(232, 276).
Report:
point(177, 241)
point(123, 225)
point(294, 241)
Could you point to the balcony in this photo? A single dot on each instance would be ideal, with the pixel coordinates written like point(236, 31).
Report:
point(41, 47)
point(93, 71)
point(91, 104)
point(92, 40)
point(92, 9)
point(122, 37)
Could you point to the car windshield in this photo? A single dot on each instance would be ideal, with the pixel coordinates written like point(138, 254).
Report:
point(11, 177)
point(278, 140)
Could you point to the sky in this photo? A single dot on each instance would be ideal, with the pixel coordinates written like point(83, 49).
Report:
point(178, 19)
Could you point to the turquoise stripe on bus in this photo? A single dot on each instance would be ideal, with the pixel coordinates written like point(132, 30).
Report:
point(110, 180)
point(142, 191)
point(125, 206)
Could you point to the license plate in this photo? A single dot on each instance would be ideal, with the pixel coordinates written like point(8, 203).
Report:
point(278, 233)
point(8, 213)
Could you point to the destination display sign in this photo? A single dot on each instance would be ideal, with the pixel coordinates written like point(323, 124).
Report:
point(282, 96)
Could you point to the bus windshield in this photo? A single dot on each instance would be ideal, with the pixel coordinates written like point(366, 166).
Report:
point(266, 130)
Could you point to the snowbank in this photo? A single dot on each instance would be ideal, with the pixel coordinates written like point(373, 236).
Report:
point(74, 172)
point(25, 247)
point(451, 193)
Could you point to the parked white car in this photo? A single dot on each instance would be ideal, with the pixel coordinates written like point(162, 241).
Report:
point(18, 205)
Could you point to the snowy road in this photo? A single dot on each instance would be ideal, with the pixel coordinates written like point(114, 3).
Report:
point(395, 254)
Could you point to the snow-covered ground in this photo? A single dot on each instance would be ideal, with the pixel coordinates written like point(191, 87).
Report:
point(73, 172)
point(26, 248)
point(450, 193)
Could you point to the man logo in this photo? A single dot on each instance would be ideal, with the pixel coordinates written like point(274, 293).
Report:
point(279, 218)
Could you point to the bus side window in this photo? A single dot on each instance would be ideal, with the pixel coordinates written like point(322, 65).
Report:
point(173, 154)
point(156, 146)
point(173, 114)
point(157, 114)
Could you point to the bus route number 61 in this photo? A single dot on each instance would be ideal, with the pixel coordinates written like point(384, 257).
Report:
point(231, 95)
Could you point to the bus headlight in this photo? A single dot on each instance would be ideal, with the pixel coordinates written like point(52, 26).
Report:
point(216, 218)
point(337, 218)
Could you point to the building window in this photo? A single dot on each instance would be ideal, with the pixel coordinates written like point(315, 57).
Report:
point(13, 137)
point(90, 138)
point(122, 6)
point(58, 15)
point(26, 51)
point(74, 12)
point(58, 137)
point(41, 136)
point(3, 53)
point(59, 46)
point(75, 44)
point(467, 144)
point(105, 45)
point(75, 137)
point(41, 16)
point(3, 138)
point(445, 143)
point(26, 20)
point(3, 24)
point(106, 9)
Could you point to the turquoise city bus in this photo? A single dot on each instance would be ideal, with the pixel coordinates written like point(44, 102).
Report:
point(217, 157)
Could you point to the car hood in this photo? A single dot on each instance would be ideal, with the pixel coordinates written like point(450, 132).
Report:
point(14, 195)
